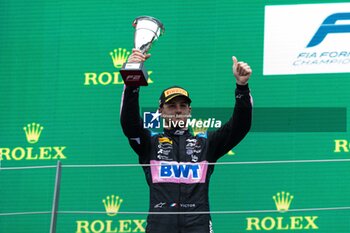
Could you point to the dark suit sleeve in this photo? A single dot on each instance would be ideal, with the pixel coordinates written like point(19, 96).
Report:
point(132, 124)
point(232, 132)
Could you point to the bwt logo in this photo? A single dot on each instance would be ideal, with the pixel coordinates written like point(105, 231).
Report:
point(179, 170)
point(151, 120)
point(329, 26)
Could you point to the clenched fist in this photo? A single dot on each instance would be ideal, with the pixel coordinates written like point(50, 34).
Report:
point(138, 56)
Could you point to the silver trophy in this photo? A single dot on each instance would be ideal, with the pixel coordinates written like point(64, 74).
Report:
point(147, 30)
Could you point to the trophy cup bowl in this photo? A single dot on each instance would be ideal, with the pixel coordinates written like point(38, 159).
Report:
point(147, 30)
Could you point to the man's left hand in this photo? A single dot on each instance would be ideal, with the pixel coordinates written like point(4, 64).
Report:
point(241, 71)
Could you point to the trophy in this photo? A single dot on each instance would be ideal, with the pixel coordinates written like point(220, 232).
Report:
point(147, 30)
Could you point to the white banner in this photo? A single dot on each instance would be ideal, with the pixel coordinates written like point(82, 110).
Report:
point(307, 38)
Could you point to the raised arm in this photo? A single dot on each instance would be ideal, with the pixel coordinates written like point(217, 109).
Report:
point(232, 132)
point(131, 122)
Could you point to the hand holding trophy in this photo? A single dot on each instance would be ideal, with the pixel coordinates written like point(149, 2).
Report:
point(147, 30)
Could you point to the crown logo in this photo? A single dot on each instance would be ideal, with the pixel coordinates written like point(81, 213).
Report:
point(112, 204)
point(197, 130)
point(33, 132)
point(119, 57)
point(282, 201)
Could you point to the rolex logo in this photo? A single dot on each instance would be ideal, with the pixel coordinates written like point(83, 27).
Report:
point(119, 57)
point(29, 153)
point(282, 201)
point(33, 132)
point(282, 222)
point(112, 204)
point(110, 225)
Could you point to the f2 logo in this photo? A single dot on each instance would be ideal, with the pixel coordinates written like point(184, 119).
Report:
point(329, 26)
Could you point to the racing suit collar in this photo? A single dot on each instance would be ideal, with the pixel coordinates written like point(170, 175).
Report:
point(177, 132)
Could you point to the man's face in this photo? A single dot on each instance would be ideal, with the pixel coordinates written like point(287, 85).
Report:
point(175, 111)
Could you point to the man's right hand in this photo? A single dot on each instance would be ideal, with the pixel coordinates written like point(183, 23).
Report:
point(138, 56)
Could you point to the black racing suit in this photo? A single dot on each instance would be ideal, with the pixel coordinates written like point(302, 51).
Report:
point(179, 174)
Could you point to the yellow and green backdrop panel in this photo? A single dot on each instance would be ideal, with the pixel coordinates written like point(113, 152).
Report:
point(60, 101)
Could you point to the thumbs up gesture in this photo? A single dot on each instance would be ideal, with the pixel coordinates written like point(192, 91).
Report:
point(241, 71)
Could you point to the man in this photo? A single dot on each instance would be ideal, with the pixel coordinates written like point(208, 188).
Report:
point(178, 173)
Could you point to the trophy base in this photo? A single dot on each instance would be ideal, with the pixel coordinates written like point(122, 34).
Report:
point(134, 74)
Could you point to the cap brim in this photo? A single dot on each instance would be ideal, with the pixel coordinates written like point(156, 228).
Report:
point(176, 95)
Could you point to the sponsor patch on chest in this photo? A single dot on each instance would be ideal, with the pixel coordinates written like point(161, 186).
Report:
point(178, 172)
